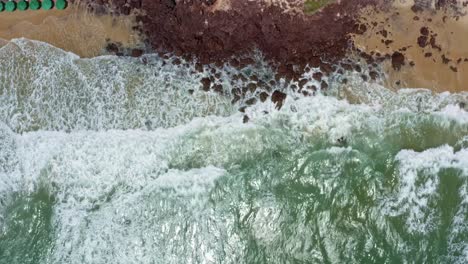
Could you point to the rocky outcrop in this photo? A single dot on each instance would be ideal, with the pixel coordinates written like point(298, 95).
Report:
point(217, 30)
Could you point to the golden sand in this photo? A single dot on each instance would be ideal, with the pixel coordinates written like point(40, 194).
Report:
point(403, 27)
point(73, 29)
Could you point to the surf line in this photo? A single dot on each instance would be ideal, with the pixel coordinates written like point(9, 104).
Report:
point(23, 5)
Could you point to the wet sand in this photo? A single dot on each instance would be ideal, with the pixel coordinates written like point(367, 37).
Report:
point(440, 65)
point(73, 29)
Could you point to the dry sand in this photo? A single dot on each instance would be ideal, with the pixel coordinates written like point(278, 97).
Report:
point(73, 29)
point(403, 27)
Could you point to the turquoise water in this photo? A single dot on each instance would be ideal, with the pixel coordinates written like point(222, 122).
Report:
point(110, 160)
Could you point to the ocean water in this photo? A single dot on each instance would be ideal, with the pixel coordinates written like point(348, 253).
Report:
point(111, 160)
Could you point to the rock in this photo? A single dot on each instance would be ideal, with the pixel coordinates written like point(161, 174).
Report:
point(136, 53)
point(206, 82)
point(198, 67)
point(263, 96)
point(317, 76)
point(357, 68)
point(278, 98)
point(252, 87)
point(424, 31)
point(302, 82)
point(398, 60)
point(218, 88)
point(251, 101)
point(235, 99)
point(445, 60)
point(324, 85)
point(112, 47)
point(374, 75)
point(199, 29)
point(422, 41)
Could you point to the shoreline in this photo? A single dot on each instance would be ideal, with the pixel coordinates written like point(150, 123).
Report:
point(74, 29)
point(342, 36)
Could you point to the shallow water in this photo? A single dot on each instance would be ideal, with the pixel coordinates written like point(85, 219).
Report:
point(111, 160)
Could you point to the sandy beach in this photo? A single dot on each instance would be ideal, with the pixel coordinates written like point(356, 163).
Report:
point(439, 64)
point(73, 29)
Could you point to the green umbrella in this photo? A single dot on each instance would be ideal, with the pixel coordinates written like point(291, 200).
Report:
point(10, 6)
point(47, 4)
point(34, 4)
point(61, 4)
point(22, 5)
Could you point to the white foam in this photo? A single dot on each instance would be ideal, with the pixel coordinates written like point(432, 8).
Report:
point(136, 196)
point(42, 87)
point(454, 112)
point(418, 183)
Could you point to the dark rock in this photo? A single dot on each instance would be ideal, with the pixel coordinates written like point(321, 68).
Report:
point(388, 42)
point(347, 66)
point(433, 43)
point(278, 98)
point(384, 33)
point(235, 99)
point(324, 85)
point(199, 67)
point(112, 47)
point(206, 82)
point(192, 28)
point(317, 76)
point(424, 31)
point(251, 101)
point(445, 60)
point(302, 82)
point(252, 87)
point(218, 88)
point(422, 41)
point(263, 96)
point(136, 53)
point(398, 60)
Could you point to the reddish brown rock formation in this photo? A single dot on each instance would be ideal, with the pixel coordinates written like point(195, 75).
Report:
point(217, 30)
